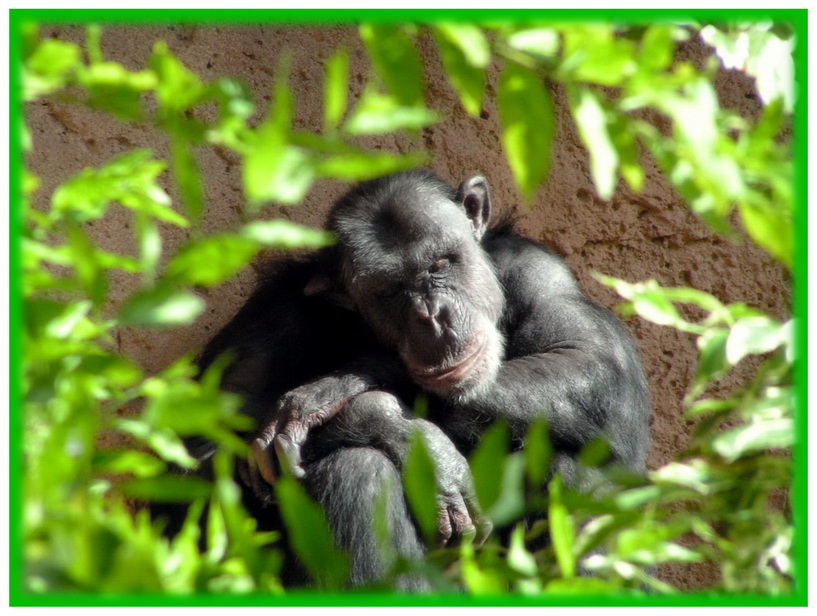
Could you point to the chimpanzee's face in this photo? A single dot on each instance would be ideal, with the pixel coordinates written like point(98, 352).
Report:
point(414, 269)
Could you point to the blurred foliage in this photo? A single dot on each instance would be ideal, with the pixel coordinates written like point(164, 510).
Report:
point(714, 503)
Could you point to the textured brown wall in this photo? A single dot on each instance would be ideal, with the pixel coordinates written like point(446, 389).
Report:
point(634, 237)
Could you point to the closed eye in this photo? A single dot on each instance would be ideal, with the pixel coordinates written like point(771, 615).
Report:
point(441, 264)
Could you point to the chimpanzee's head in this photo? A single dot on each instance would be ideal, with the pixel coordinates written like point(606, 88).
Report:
point(412, 265)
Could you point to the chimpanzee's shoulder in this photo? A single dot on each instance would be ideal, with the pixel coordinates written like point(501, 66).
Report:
point(518, 257)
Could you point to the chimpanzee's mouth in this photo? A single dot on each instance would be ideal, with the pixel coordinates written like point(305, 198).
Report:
point(450, 376)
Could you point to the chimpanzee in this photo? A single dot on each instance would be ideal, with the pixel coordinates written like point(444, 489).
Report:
point(422, 294)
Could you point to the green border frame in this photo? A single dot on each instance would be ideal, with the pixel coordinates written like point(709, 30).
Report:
point(798, 18)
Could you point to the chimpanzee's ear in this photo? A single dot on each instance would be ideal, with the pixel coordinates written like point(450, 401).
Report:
point(474, 197)
point(324, 286)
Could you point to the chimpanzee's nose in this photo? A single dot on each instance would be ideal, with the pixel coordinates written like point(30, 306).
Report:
point(426, 311)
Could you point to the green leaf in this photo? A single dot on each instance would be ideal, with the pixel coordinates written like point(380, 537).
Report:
point(275, 170)
point(595, 54)
point(164, 442)
point(162, 307)
point(129, 179)
point(590, 117)
point(129, 462)
point(538, 452)
point(335, 88)
point(465, 54)
point(759, 51)
point(623, 135)
point(537, 42)
point(771, 228)
point(284, 175)
point(309, 535)
point(510, 504)
point(756, 335)
point(377, 114)
point(562, 530)
point(657, 48)
point(519, 559)
point(282, 234)
point(188, 177)
point(712, 360)
point(469, 39)
point(753, 437)
point(167, 488)
point(178, 88)
point(115, 89)
point(211, 260)
point(396, 61)
point(493, 446)
point(360, 166)
point(49, 68)
point(419, 484)
point(596, 453)
point(580, 586)
point(526, 112)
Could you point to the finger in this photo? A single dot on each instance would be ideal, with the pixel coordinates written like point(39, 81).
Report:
point(483, 525)
point(444, 530)
point(461, 523)
point(289, 455)
point(254, 477)
point(263, 460)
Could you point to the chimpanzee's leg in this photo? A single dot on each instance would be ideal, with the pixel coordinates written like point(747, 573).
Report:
point(352, 484)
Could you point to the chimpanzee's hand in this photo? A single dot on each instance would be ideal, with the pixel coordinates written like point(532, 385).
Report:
point(459, 514)
point(287, 427)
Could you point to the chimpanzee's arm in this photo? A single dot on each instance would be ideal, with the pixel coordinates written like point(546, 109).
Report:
point(567, 360)
point(380, 420)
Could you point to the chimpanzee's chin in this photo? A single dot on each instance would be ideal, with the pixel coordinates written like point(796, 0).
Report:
point(471, 374)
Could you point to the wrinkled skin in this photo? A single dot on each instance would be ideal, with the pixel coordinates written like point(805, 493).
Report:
point(421, 294)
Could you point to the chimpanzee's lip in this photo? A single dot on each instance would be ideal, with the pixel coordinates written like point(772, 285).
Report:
point(451, 375)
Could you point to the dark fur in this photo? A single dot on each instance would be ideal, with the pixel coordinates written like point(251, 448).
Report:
point(544, 351)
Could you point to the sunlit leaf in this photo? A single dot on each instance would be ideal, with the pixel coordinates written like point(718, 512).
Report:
point(657, 48)
point(562, 530)
point(167, 488)
point(282, 234)
point(396, 60)
point(753, 335)
point(580, 586)
point(595, 54)
point(310, 536)
point(519, 559)
point(493, 446)
point(591, 119)
point(115, 89)
point(211, 260)
point(539, 42)
point(771, 228)
point(163, 306)
point(753, 437)
point(759, 51)
point(537, 452)
point(465, 55)
point(178, 87)
point(49, 67)
point(418, 482)
point(377, 114)
point(360, 166)
point(526, 112)
point(188, 177)
point(128, 462)
point(712, 359)
point(335, 88)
